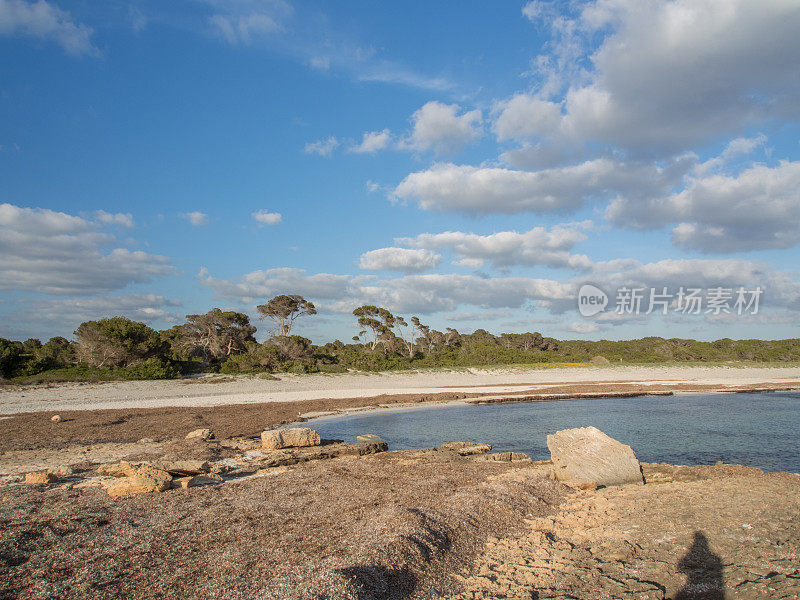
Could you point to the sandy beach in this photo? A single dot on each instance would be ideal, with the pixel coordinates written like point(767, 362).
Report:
point(220, 390)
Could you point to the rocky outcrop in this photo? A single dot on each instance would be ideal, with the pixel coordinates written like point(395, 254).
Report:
point(466, 448)
point(296, 437)
point(586, 456)
point(507, 457)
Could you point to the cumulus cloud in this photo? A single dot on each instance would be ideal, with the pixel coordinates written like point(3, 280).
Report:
point(372, 142)
point(48, 317)
point(56, 253)
point(244, 21)
point(654, 82)
point(269, 282)
point(582, 327)
point(460, 294)
point(122, 219)
point(45, 21)
point(464, 188)
point(196, 218)
point(399, 259)
point(323, 147)
point(756, 209)
point(439, 128)
point(538, 246)
point(267, 218)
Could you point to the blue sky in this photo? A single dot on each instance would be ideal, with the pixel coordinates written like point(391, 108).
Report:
point(471, 163)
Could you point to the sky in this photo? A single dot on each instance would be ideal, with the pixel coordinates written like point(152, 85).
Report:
point(474, 164)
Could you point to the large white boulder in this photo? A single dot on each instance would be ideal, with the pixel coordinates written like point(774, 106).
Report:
point(585, 456)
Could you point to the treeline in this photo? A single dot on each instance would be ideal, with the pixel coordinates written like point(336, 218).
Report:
point(223, 341)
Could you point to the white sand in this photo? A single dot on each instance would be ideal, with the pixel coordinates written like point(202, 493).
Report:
point(243, 390)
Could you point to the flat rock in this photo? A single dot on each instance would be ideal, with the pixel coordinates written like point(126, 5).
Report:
point(369, 437)
point(197, 480)
point(585, 456)
point(507, 457)
point(40, 478)
point(128, 486)
point(203, 434)
point(466, 448)
point(184, 468)
point(296, 437)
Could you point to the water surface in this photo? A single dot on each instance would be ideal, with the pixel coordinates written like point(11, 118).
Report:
point(755, 429)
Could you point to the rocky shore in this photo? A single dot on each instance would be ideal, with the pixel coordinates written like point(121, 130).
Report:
point(288, 515)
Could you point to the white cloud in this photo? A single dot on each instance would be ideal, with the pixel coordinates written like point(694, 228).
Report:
point(244, 21)
point(56, 253)
point(438, 127)
point(756, 209)
point(123, 219)
point(538, 246)
point(582, 327)
point(372, 142)
point(45, 21)
point(449, 187)
point(196, 218)
point(320, 63)
point(45, 318)
point(267, 218)
point(323, 147)
point(669, 73)
point(266, 283)
point(399, 259)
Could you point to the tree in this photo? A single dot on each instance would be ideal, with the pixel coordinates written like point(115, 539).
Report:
point(284, 310)
point(117, 342)
point(10, 357)
point(218, 334)
point(377, 320)
point(452, 337)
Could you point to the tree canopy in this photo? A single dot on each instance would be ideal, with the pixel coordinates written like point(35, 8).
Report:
point(284, 310)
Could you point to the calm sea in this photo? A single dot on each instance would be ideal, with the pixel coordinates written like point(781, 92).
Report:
point(755, 429)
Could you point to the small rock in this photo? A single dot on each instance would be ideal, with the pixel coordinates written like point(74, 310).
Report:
point(40, 478)
point(197, 480)
point(297, 437)
point(145, 441)
point(369, 437)
point(203, 434)
point(586, 455)
point(56, 418)
point(63, 471)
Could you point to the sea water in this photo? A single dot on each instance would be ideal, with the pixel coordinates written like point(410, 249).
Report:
point(759, 429)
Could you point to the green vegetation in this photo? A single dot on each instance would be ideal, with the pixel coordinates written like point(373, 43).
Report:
point(223, 341)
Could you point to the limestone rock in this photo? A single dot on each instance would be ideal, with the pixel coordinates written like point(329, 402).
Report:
point(369, 437)
point(197, 480)
point(183, 468)
point(466, 448)
point(139, 479)
point(203, 434)
point(586, 455)
point(128, 486)
point(40, 478)
point(63, 471)
point(297, 437)
point(507, 457)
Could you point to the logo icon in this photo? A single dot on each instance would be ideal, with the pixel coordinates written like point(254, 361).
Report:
point(591, 300)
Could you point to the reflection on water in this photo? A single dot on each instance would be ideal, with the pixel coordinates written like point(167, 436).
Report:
point(755, 429)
